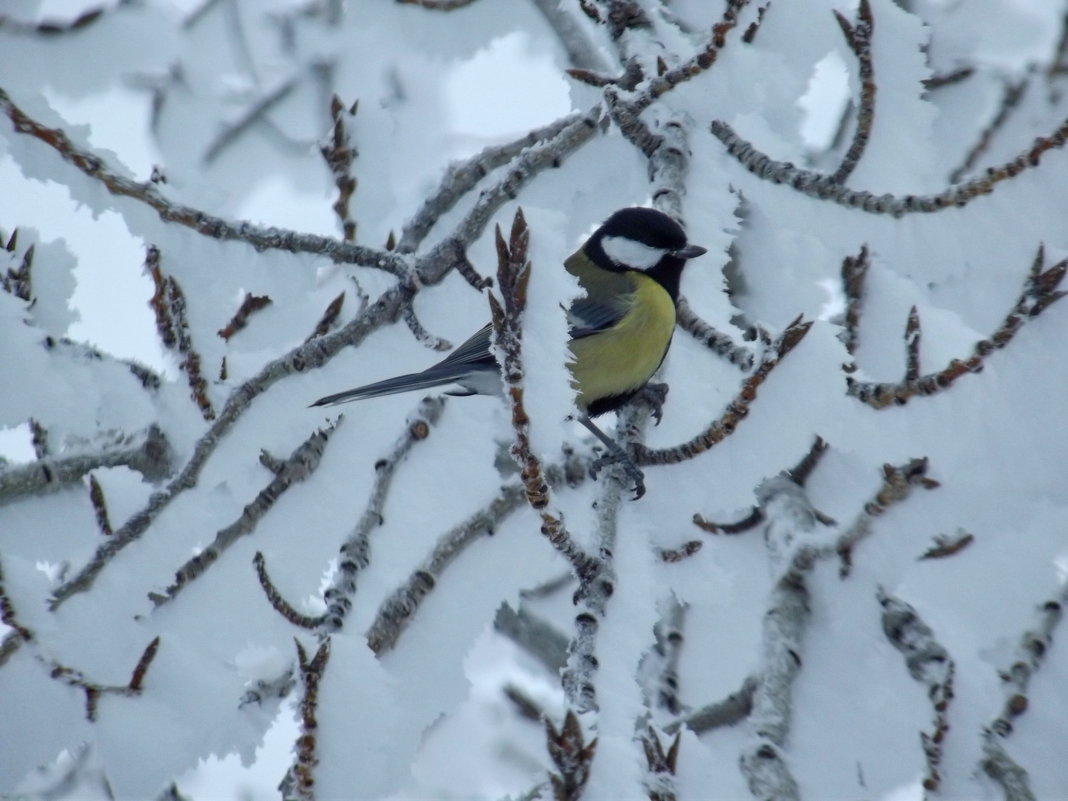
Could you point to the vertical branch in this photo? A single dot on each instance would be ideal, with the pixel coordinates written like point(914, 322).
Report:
point(299, 782)
point(513, 274)
point(339, 156)
point(858, 37)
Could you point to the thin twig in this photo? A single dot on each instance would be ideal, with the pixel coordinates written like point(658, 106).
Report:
point(737, 409)
point(1010, 99)
point(1039, 292)
point(858, 36)
point(298, 467)
point(822, 186)
point(928, 662)
point(145, 451)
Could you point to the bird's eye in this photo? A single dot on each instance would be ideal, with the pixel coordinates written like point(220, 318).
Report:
point(631, 253)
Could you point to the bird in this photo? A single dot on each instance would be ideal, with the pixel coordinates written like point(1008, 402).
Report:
point(620, 332)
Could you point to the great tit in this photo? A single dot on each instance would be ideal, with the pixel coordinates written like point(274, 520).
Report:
point(630, 269)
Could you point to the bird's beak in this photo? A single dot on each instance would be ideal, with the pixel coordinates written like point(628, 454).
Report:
point(690, 252)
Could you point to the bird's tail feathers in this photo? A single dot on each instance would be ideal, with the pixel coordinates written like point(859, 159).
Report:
point(392, 386)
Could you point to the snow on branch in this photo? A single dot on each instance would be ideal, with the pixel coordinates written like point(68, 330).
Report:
point(513, 273)
point(295, 469)
point(249, 306)
point(63, 673)
point(400, 606)
point(822, 186)
point(1039, 292)
point(355, 551)
point(928, 662)
point(1032, 650)
point(858, 36)
point(147, 452)
point(571, 755)
point(51, 29)
point(299, 781)
point(1010, 100)
point(462, 177)
point(169, 304)
point(719, 343)
point(258, 237)
point(736, 410)
point(339, 155)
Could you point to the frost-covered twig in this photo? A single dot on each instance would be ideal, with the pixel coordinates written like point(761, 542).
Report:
point(945, 545)
point(799, 474)
point(299, 781)
point(262, 690)
point(731, 710)
point(169, 303)
point(18, 633)
point(677, 554)
point(822, 186)
point(898, 483)
point(250, 305)
point(254, 114)
point(571, 755)
point(941, 80)
point(84, 353)
point(854, 273)
point(736, 410)
point(422, 336)
point(278, 601)
point(719, 343)
point(1010, 99)
point(330, 316)
point(94, 690)
point(355, 551)
point(462, 177)
point(513, 273)
point(50, 29)
point(1033, 647)
point(791, 522)
point(400, 606)
point(754, 27)
point(538, 638)
point(339, 156)
point(695, 65)
point(1039, 292)
point(259, 237)
point(659, 779)
point(100, 507)
point(145, 451)
point(18, 281)
point(928, 662)
point(581, 52)
point(300, 464)
point(668, 647)
point(858, 37)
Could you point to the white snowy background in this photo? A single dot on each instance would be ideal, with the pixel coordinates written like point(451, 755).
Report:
point(229, 101)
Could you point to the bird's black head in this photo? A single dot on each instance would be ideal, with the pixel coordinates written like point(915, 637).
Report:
point(646, 240)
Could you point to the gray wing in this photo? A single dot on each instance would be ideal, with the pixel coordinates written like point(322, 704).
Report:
point(588, 317)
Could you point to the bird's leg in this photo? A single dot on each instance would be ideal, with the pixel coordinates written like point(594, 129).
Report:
point(655, 395)
point(615, 455)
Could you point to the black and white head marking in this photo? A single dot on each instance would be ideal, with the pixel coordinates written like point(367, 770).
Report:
point(635, 238)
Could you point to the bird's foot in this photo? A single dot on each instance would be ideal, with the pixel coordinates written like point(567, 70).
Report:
point(654, 395)
point(616, 455)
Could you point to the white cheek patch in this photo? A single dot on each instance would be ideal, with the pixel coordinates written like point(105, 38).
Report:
point(628, 253)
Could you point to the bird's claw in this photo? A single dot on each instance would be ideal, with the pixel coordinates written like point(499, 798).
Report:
point(655, 395)
point(632, 470)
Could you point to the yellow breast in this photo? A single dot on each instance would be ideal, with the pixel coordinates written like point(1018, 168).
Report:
point(622, 359)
